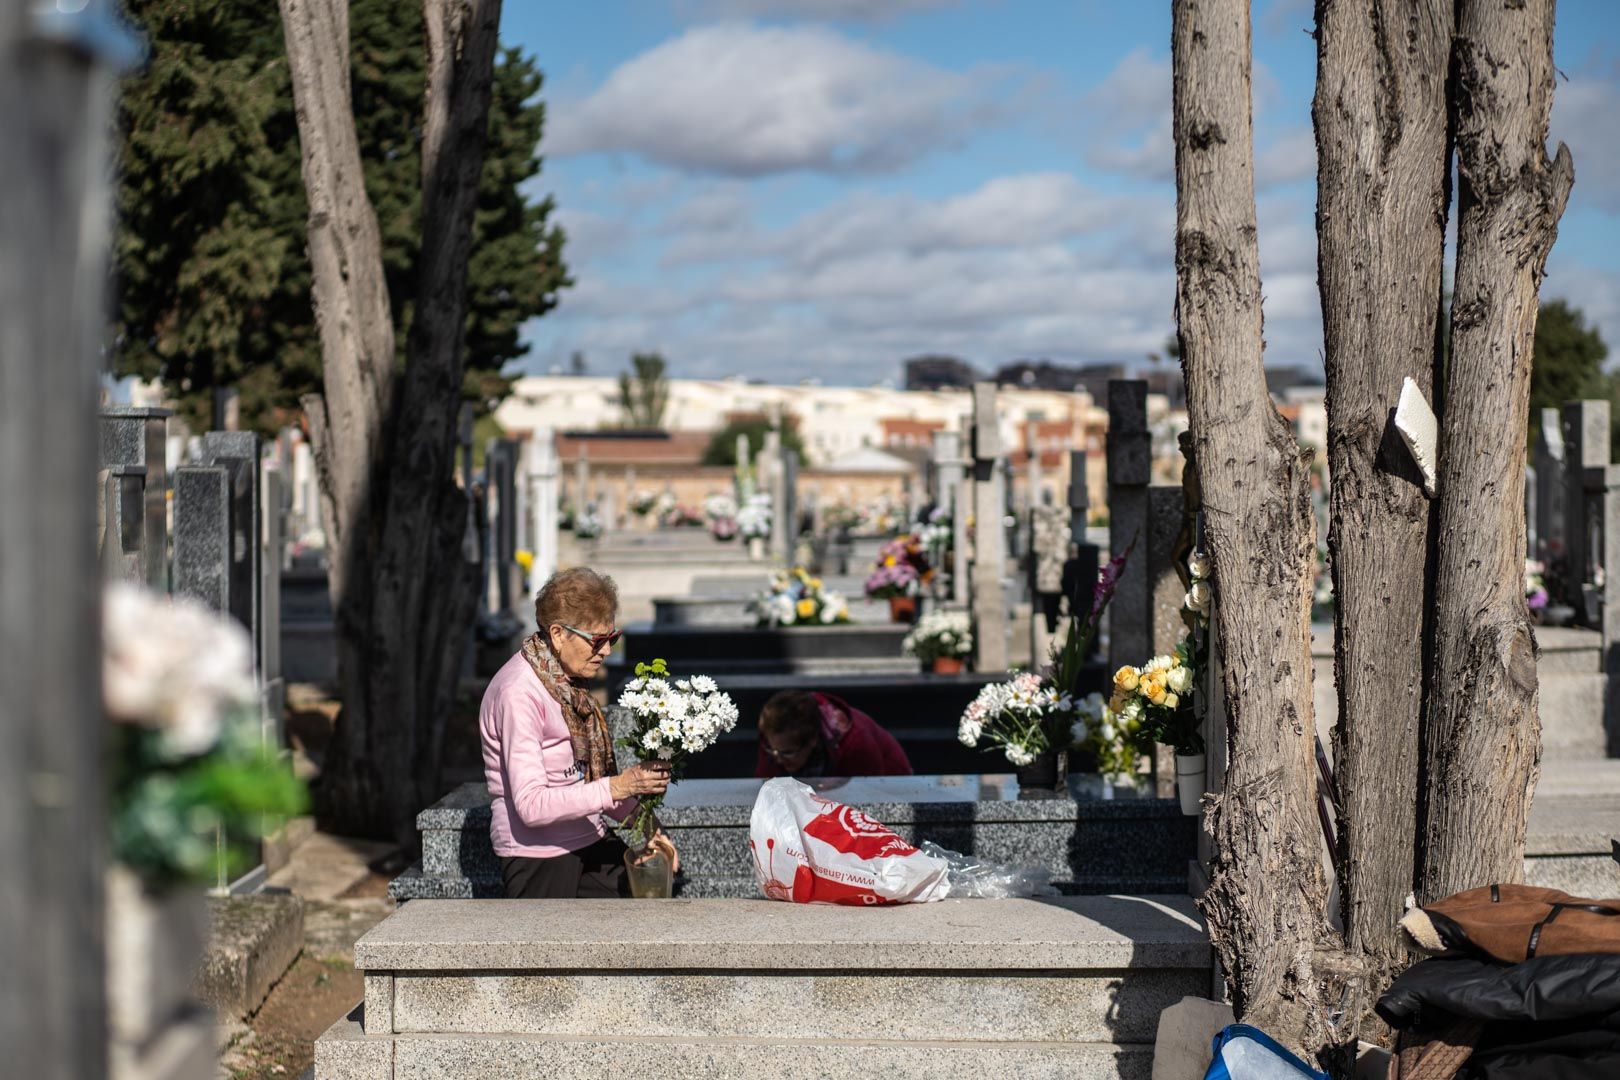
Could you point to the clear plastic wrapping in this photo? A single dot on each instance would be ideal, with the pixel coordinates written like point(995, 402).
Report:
point(972, 878)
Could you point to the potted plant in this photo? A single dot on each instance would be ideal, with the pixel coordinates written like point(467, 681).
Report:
point(941, 639)
point(901, 570)
point(797, 599)
point(721, 513)
point(754, 524)
point(192, 785)
point(1112, 741)
point(1032, 716)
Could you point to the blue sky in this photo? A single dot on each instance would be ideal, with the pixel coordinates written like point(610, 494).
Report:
point(791, 189)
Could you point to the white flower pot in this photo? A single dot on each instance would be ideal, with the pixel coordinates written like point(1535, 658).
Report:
point(154, 941)
point(1190, 782)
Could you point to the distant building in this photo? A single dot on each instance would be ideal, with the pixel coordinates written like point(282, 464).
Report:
point(939, 373)
point(1282, 378)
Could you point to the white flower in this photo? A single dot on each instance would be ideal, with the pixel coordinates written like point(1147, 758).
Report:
point(1018, 755)
point(1079, 732)
point(1199, 565)
point(1179, 679)
point(1198, 597)
point(666, 752)
point(702, 684)
point(174, 666)
point(969, 732)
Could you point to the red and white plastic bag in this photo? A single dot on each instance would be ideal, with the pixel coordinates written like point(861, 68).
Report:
point(811, 850)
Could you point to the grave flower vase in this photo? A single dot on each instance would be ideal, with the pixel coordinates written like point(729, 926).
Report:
point(947, 665)
point(756, 548)
point(651, 879)
point(154, 941)
point(903, 609)
point(1190, 782)
point(1044, 778)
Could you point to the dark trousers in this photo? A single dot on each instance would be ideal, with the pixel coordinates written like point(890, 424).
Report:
point(591, 873)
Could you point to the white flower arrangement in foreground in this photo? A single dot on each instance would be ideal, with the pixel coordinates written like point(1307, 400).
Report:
point(671, 719)
point(1016, 715)
point(173, 666)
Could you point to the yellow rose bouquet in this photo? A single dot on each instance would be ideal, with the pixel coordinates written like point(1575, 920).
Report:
point(1154, 701)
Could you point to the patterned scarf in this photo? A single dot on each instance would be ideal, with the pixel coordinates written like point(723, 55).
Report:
point(587, 727)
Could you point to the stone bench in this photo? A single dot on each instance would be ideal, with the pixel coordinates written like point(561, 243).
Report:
point(575, 988)
point(1136, 845)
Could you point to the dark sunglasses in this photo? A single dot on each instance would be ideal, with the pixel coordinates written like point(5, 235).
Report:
point(610, 639)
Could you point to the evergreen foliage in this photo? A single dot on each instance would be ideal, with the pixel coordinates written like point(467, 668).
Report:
point(213, 279)
point(722, 448)
point(644, 391)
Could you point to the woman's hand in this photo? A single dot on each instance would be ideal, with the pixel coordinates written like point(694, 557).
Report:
point(647, 778)
point(661, 844)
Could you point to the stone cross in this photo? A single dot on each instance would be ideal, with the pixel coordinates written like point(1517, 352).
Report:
point(989, 603)
point(1549, 488)
point(238, 452)
point(1130, 456)
point(1048, 551)
point(1034, 478)
point(134, 500)
point(947, 469)
point(543, 474)
point(963, 502)
point(272, 558)
point(582, 481)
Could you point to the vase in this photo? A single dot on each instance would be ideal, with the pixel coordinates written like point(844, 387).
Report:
point(903, 609)
point(947, 665)
point(756, 548)
point(651, 879)
point(1190, 782)
point(154, 942)
point(1044, 778)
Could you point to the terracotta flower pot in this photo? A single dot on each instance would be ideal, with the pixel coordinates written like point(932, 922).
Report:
point(903, 609)
point(947, 665)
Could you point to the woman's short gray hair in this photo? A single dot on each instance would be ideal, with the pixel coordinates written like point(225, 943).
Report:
point(576, 596)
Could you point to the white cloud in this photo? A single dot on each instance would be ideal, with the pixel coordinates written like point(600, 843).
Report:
point(863, 10)
point(1031, 265)
point(745, 100)
point(1289, 157)
point(1129, 118)
point(1595, 291)
point(1584, 116)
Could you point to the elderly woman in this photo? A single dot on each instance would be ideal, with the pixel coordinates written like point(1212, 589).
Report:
point(548, 756)
point(808, 733)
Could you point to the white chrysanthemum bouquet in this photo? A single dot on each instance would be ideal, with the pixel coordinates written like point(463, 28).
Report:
point(1020, 715)
point(671, 719)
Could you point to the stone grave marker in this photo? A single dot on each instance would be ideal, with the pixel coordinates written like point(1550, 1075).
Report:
point(132, 450)
point(989, 605)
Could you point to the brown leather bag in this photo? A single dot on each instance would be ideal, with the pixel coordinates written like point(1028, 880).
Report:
point(1513, 923)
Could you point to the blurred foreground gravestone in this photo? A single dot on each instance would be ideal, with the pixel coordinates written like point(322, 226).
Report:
point(56, 82)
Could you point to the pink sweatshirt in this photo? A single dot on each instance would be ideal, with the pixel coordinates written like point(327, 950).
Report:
point(542, 807)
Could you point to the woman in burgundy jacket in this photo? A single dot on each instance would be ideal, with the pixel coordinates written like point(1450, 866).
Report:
point(804, 733)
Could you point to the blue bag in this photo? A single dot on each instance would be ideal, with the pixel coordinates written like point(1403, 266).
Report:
point(1242, 1052)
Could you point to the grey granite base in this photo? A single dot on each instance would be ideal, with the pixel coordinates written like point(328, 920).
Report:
point(1130, 845)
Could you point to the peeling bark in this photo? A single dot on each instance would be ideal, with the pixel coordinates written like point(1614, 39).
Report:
point(403, 594)
point(1267, 897)
point(1482, 736)
point(1382, 147)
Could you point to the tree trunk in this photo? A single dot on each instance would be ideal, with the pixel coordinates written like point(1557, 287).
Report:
point(401, 591)
point(1481, 742)
point(1267, 896)
point(1382, 149)
point(426, 612)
